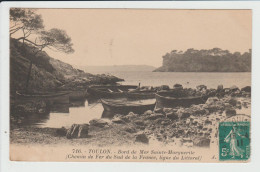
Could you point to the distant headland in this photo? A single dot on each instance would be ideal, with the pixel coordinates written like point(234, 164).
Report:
point(212, 60)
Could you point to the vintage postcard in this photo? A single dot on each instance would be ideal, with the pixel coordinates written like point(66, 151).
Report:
point(130, 85)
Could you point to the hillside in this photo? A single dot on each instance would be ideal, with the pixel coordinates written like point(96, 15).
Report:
point(116, 68)
point(47, 73)
point(213, 60)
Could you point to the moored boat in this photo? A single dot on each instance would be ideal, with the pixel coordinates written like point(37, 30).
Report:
point(111, 91)
point(77, 95)
point(51, 98)
point(123, 106)
point(171, 99)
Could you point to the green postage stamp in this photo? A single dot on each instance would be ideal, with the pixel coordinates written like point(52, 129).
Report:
point(234, 140)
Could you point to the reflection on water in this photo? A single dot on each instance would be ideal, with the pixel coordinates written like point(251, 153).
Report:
point(60, 108)
point(79, 113)
point(31, 119)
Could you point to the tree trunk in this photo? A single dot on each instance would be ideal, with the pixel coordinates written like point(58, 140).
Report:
point(29, 72)
point(28, 77)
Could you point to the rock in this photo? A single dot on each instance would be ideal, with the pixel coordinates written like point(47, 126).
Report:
point(246, 89)
point(148, 112)
point(158, 121)
point(232, 102)
point(239, 105)
point(212, 92)
point(194, 123)
point(227, 90)
point(139, 122)
point(236, 93)
point(118, 120)
point(204, 129)
point(188, 121)
point(212, 100)
point(155, 116)
point(227, 105)
point(201, 87)
point(245, 94)
point(201, 142)
point(167, 110)
point(172, 116)
point(234, 88)
point(124, 118)
point(230, 112)
point(177, 87)
point(83, 130)
point(142, 138)
point(200, 127)
point(131, 116)
point(208, 122)
point(180, 131)
point(158, 110)
point(130, 129)
point(245, 104)
point(164, 87)
point(61, 131)
point(220, 88)
point(164, 122)
point(73, 131)
point(184, 115)
point(214, 104)
point(140, 127)
point(77, 131)
point(198, 110)
point(98, 123)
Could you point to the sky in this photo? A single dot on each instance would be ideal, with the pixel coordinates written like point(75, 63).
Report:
point(141, 37)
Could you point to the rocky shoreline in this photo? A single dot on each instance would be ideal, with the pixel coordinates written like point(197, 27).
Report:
point(195, 126)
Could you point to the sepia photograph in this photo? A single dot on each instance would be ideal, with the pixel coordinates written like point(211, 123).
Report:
point(130, 85)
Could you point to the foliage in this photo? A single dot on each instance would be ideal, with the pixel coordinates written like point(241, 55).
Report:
point(26, 20)
point(212, 60)
point(57, 39)
point(29, 22)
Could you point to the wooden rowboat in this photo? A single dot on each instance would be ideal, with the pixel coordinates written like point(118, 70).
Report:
point(123, 106)
point(171, 99)
point(77, 95)
point(114, 91)
point(51, 98)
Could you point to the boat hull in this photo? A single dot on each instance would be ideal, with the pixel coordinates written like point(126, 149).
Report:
point(125, 109)
point(50, 98)
point(140, 95)
point(171, 102)
point(77, 95)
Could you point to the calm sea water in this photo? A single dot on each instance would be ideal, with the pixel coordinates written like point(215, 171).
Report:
point(84, 111)
point(187, 79)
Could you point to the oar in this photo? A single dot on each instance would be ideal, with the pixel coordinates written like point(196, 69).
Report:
point(95, 104)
